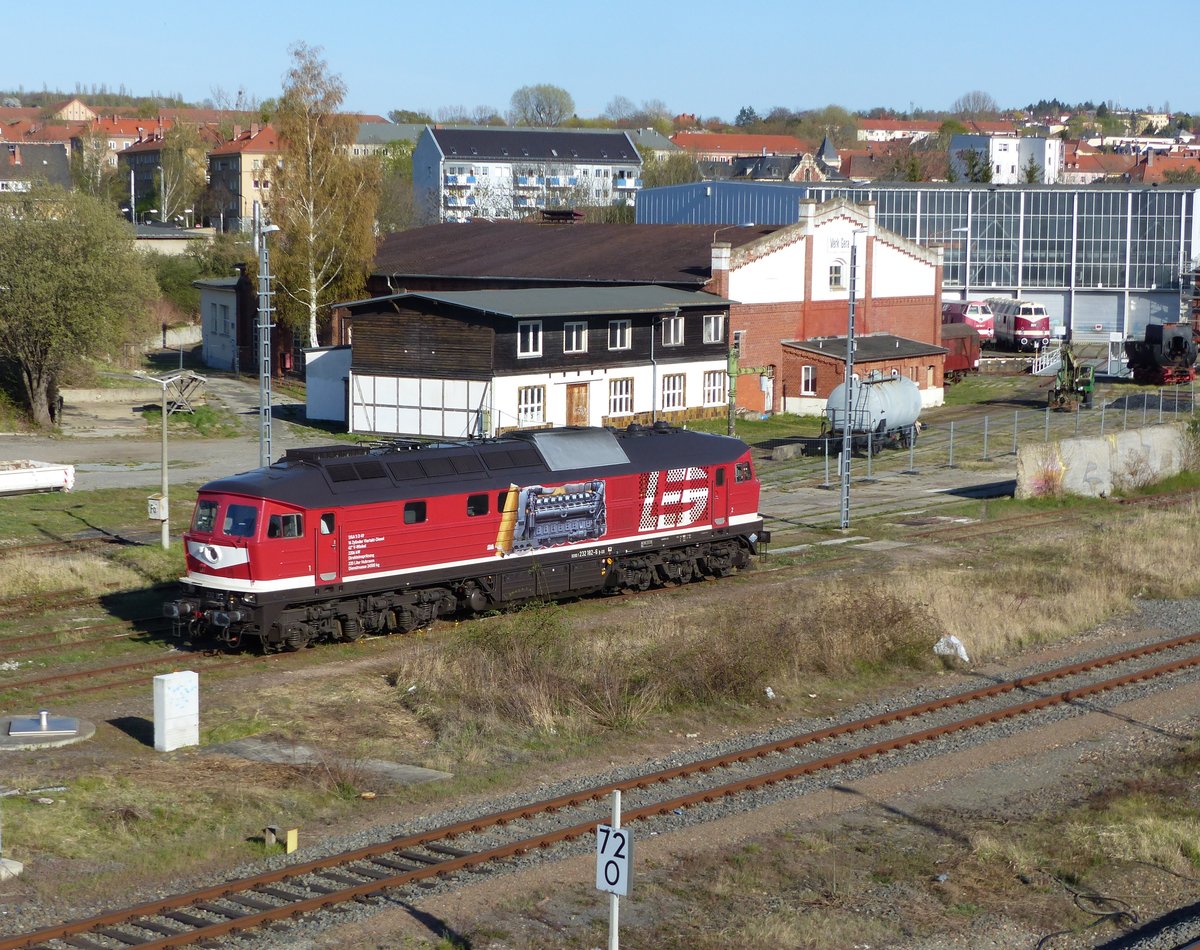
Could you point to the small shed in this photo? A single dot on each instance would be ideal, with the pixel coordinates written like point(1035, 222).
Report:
point(812, 369)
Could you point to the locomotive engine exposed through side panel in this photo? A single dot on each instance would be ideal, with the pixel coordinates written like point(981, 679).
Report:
point(333, 543)
point(549, 516)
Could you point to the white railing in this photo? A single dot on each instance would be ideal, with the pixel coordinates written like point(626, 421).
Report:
point(1047, 360)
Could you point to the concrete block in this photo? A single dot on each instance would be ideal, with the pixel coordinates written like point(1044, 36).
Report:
point(1097, 466)
point(176, 710)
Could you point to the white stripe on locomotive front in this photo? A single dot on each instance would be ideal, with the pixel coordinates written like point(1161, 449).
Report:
point(310, 580)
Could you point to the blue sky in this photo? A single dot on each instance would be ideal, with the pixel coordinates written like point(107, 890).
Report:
point(701, 57)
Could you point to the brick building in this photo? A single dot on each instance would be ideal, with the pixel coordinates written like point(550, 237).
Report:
point(788, 282)
point(794, 284)
point(812, 369)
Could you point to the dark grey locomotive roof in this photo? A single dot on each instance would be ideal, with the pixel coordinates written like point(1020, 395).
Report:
point(352, 475)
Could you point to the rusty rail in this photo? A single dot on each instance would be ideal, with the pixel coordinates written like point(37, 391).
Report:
point(396, 862)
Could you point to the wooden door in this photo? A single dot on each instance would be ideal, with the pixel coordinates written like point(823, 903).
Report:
point(577, 404)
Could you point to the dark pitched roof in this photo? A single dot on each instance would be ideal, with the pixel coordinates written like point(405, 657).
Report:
point(544, 145)
point(871, 348)
point(561, 301)
point(35, 161)
point(673, 254)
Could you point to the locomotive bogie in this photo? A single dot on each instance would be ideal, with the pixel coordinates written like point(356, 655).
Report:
point(336, 546)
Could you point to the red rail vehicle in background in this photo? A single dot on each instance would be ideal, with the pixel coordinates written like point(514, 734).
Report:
point(972, 313)
point(337, 542)
point(1019, 324)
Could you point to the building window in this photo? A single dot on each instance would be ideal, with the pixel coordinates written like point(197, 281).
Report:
point(714, 387)
point(531, 405)
point(620, 397)
point(618, 334)
point(739, 340)
point(574, 337)
point(672, 330)
point(714, 328)
point(673, 391)
point(529, 338)
point(835, 276)
point(808, 381)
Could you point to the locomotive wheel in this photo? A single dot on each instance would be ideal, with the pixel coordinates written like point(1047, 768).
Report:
point(296, 638)
point(348, 629)
point(407, 619)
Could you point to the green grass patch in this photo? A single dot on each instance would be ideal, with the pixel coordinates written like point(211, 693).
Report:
point(209, 422)
point(780, 426)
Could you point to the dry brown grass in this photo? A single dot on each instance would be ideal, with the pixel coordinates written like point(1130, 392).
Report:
point(23, 574)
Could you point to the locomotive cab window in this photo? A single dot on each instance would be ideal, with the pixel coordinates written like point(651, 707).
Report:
point(414, 512)
point(743, 473)
point(205, 517)
point(285, 526)
point(720, 477)
point(240, 521)
point(327, 523)
point(477, 505)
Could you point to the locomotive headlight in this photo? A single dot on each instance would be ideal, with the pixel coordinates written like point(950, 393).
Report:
point(249, 599)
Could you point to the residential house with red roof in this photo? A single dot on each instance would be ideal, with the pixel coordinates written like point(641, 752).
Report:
point(727, 146)
point(240, 174)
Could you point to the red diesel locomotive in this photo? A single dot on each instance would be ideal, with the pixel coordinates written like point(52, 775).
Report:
point(336, 542)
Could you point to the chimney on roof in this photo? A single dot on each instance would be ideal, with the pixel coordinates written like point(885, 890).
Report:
point(237, 132)
point(254, 129)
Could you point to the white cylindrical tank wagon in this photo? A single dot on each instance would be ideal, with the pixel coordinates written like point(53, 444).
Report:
point(883, 411)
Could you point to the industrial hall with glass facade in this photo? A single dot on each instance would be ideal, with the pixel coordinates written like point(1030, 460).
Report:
point(1103, 259)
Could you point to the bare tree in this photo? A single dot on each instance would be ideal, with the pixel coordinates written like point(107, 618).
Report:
point(541, 105)
point(89, 165)
point(620, 110)
point(323, 200)
point(181, 175)
point(975, 104)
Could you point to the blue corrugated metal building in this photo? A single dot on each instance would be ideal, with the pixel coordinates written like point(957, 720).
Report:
point(722, 202)
point(1103, 259)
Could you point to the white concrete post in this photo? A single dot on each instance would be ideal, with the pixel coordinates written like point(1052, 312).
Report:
point(176, 710)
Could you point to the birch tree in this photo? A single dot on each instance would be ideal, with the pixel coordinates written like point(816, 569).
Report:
point(181, 175)
point(323, 200)
point(71, 286)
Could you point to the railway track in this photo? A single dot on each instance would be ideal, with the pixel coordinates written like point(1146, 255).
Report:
point(563, 824)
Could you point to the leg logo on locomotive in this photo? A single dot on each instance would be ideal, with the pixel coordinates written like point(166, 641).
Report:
point(537, 517)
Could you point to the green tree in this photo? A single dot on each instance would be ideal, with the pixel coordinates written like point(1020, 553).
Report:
point(976, 166)
point(1182, 176)
point(323, 200)
point(408, 117)
point(542, 105)
point(1031, 172)
point(746, 117)
point(73, 286)
point(678, 168)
